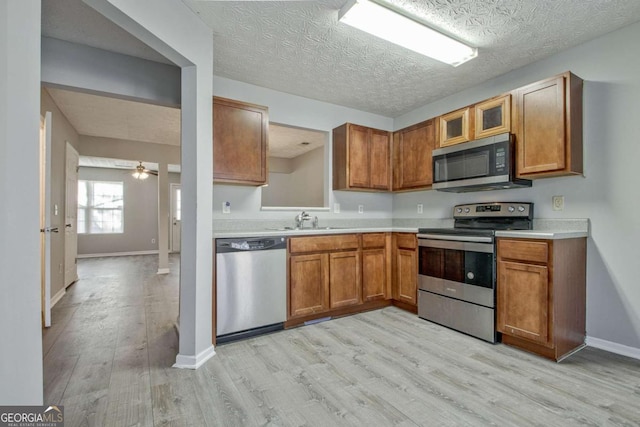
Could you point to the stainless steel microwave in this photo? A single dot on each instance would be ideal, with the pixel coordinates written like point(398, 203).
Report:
point(483, 164)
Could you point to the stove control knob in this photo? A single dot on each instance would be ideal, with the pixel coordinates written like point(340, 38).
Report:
point(520, 208)
point(467, 210)
point(470, 275)
point(511, 209)
point(459, 210)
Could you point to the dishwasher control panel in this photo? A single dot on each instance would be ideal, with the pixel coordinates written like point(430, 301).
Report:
point(252, 244)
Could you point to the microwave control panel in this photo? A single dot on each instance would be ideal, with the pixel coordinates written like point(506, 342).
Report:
point(501, 159)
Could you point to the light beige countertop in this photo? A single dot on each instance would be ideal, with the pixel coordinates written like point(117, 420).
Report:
point(542, 234)
point(309, 232)
point(549, 229)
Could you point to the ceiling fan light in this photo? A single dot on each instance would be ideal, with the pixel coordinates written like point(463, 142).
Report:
point(140, 172)
point(140, 175)
point(386, 24)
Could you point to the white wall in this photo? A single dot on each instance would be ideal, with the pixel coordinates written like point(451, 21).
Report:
point(113, 148)
point(297, 181)
point(20, 324)
point(608, 194)
point(305, 178)
point(66, 64)
point(302, 112)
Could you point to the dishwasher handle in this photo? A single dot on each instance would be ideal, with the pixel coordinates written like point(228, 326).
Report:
point(251, 244)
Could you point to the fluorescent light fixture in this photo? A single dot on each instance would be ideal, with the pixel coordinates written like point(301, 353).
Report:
point(389, 25)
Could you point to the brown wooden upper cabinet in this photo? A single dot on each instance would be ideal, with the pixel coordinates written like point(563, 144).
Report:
point(493, 116)
point(548, 127)
point(456, 127)
point(412, 146)
point(240, 142)
point(361, 158)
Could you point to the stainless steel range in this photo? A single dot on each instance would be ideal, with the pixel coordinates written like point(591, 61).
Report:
point(457, 266)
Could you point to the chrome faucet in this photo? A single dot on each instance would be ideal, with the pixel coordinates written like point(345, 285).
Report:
point(301, 218)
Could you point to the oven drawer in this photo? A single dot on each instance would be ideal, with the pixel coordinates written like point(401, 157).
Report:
point(461, 291)
point(462, 316)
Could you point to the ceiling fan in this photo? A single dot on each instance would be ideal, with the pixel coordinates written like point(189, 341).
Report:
point(143, 173)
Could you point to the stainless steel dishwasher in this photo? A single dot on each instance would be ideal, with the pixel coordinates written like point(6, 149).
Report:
point(251, 286)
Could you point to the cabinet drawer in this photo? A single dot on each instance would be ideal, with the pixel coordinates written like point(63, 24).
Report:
point(323, 243)
point(373, 240)
point(524, 250)
point(407, 241)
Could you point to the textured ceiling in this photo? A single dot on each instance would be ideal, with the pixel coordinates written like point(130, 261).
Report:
point(299, 47)
point(102, 116)
point(94, 115)
point(287, 142)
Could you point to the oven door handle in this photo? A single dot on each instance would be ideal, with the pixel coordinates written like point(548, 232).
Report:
point(453, 238)
point(457, 245)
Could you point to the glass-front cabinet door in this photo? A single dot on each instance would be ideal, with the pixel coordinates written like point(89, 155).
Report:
point(455, 127)
point(493, 116)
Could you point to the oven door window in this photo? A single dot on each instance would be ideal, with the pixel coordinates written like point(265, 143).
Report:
point(473, 268)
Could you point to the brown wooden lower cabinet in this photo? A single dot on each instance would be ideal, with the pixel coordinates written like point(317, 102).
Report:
point(542, 295)
point(376, 266)
point(344, 279)
point(405, 270)
point(334, 275)
point(308, 284)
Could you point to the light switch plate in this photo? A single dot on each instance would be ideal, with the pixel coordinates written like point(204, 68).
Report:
point(360, 208)
point(420, 208)
point(558, 203)
point(336, 208)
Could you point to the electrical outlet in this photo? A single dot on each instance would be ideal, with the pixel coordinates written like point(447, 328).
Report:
point(336, 208)
point(360, 208)
point(153, 241)
point(226, 207)
point(558, 203)
point(55, 209)
point(420, 207)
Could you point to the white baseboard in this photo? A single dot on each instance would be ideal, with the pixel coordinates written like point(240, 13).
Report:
point(613, 347)
point(58, 296)
point(194, 362)
point(154, 252)
point(163, 271)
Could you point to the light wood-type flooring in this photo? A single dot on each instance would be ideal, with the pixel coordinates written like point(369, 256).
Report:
point(108, 360)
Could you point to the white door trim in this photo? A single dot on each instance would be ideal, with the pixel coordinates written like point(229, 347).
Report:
point(174, 246)
point(45, 211)
point(71, 216)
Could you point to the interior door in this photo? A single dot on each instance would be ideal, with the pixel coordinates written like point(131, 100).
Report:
point(45, 217)
point(176, 217)
point(71, 217)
